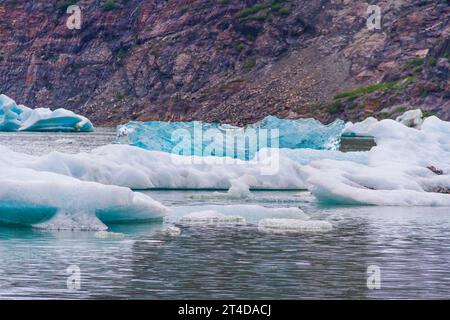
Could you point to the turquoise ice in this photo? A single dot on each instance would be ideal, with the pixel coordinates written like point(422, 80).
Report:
point(15, 117)
point(205, 139)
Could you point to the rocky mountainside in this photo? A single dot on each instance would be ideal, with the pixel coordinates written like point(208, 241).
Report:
point(233, 61)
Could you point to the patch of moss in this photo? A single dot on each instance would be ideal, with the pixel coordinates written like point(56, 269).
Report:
point(334, 107)
point(110, 5)
point(272, 5)
point(248, 65)
point(239, 45)
point(365, 90)
point(427, 113)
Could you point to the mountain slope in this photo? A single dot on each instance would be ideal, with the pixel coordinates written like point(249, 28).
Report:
point(232, 61)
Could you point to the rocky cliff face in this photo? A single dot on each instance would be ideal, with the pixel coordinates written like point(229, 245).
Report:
point(233, 61)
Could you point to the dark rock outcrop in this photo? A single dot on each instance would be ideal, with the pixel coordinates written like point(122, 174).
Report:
point(232, 61)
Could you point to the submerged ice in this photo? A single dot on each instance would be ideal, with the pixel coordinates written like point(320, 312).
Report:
point(15, 117)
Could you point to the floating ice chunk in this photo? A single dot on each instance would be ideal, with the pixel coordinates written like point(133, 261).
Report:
point(305, 156)
point(411, 118)
point(43, 119)
point(252, 213)
point(211, 217)
point(360, 129)
point(53, 201)
point(9, 114)
point(204, 139)
point(73, 221)
point(370, 126)
point(171, 231)
point(304, 133)
point(15, 117)
point(293, 226)
point(9, 120)
point(109, 235)
point(240, 187)
point(8, 103)
point(137, 168)
point(408, 167)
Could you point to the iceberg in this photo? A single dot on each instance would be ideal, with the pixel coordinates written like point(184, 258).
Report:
point(137, 168)
point(250, 213)
point(411, 118)
point(212, 139)
point(15, 117)
point(9, 114)
point(408, 167)
point(52, 201)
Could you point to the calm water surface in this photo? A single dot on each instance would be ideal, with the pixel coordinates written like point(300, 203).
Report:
point(410, 245)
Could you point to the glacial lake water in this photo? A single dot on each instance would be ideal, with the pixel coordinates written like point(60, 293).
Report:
point(410, 246)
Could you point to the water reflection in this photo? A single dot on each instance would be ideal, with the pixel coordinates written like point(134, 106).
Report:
point(410, 245)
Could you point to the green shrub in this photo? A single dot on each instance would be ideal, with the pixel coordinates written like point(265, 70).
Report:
point(239, 45)
point(110, 5)
point(365, 90)
point(334, 107)
point(248, 65)
point(63, 5)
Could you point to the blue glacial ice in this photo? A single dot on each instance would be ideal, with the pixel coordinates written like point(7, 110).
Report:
point(15, 117)
point(53, 201)
point(212, 139)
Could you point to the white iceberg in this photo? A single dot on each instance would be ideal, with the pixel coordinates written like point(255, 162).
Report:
point(411, 118)
point(137, 168)
point(293, 226)
point(369, 126)
point(53, 201)
point(252, 213)
point(171, 231)
point(409, 167)
point(15, 117)
point(360, 129)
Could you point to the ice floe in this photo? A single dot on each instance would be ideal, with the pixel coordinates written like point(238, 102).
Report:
point(15, 117)
point(411, 118)
point(212, 139)
point(408, 167)
point(137, 168)
point(211, 217)
point(251, 213)
point(52, 201)
point(370, 126)
point(171, 231)
point(293, 226)
point(107, 235)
